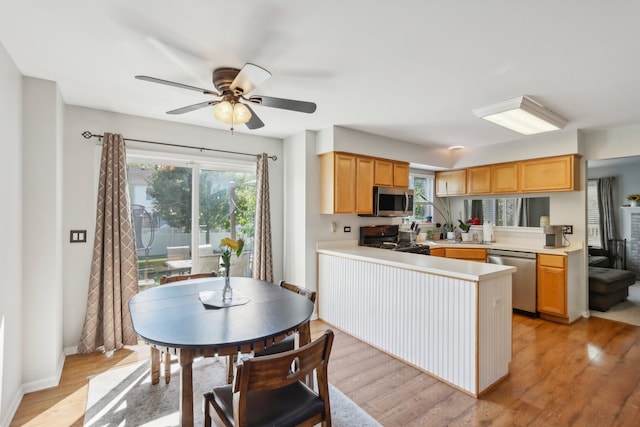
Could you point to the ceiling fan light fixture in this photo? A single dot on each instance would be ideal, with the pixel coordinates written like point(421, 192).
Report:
point(241, 113)
point(522, 115)
point(223, 112)
point(232, 113)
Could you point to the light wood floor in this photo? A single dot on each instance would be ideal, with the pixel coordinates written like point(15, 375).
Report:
point(585, 374)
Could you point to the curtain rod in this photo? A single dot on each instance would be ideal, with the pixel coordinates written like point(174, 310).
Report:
point(89, 135)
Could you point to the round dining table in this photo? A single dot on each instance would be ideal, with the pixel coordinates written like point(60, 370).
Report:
point(174, 319)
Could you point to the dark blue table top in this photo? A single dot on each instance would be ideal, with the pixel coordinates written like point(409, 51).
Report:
point(172, 315)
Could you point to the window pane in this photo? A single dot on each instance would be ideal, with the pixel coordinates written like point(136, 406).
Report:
point(227, 209)
point(162, 207)
point(423, 187)
point(161, 210)
point(593, 214)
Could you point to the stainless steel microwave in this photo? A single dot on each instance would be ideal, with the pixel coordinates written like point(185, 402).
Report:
point(392, 201)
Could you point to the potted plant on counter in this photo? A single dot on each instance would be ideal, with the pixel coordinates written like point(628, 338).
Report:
point(464, 230)
point(633, 199)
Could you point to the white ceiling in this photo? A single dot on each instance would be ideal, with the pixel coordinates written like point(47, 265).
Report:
point(410, 70)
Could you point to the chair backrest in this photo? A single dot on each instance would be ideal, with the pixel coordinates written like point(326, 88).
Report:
point(175, 253)
point(283, 369)
point(171, 279)
point(240, 265)
point(299, 290)
point(209, 263)
point(204, 250)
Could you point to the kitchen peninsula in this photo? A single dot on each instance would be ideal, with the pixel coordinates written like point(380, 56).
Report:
point(450, 318)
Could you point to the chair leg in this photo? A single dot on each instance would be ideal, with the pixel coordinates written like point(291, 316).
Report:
point(207, 415)
point(167, 367)
point(231, 361)
point(155, 365)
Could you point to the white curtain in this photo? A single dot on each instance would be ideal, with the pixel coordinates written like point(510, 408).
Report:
point(114, 268)
point(262, 256)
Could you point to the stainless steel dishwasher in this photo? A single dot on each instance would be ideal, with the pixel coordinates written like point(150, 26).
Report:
point(524, 294)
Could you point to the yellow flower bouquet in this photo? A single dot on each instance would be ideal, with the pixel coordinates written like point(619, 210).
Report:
point(230, 246)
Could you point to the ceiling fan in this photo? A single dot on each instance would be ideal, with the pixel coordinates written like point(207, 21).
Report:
point(233, 86)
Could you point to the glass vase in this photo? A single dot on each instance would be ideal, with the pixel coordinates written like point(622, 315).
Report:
point(227, 292)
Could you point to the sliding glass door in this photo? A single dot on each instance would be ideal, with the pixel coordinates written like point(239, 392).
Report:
point(183, 209)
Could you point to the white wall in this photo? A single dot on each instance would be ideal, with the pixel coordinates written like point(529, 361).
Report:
point(42, 238)
point(337, 138)
point(295, 195)
point(11, 248)
point(81, 158)
point(613, 143)
point(544, 145)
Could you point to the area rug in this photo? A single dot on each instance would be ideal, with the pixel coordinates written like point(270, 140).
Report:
point(125, 397)
point(626, 311)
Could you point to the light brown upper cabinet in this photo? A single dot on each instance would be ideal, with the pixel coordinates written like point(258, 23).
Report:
point(383, 173)
point(451, 183)
point(558, 173)
point(364, 185)
point(389, 173)
point(337, 183)
point(479, 180)
point(504, 178)
point(347, 181)
point(400, 174)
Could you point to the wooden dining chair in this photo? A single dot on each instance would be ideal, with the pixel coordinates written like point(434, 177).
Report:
point(159, 357)
point(304, 332)
point(170, 279)
point(289, 343)
point(270, 391)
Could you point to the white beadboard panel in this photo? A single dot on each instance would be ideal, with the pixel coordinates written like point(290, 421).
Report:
point(429, 321)
point(495, 323)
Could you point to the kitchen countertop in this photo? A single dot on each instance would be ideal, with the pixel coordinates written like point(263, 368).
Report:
point(455, 268)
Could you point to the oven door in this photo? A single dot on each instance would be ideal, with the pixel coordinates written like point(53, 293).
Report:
point(391, 202)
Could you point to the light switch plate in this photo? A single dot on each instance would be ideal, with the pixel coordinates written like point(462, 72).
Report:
point(78, 236)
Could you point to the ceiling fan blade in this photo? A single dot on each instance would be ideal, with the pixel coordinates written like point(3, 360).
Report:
point(180, 85)
point(250, 77)
point(285, 104)
point(254, 122)
point(192, 107)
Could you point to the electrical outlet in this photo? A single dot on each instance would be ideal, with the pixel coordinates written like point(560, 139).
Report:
point(567, 229)
point(347, 229)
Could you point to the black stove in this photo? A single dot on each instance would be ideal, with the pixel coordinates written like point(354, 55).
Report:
point(388, 237)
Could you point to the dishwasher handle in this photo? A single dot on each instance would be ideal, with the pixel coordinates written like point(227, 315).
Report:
point(511, 254)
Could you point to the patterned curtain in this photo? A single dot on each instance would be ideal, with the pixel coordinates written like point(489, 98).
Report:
point(114, 267)
point(262, 257)
point(607, 211)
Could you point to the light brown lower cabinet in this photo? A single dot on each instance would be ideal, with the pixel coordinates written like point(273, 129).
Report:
point(468, 254)
point(436, 252)
point(552, 285)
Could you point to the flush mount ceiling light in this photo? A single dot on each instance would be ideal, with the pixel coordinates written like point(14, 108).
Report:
point(522, 115)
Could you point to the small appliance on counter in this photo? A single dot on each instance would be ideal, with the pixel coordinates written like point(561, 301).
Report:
point(552, 236)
